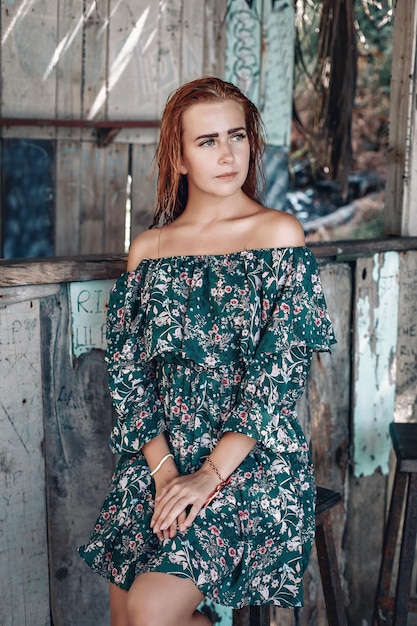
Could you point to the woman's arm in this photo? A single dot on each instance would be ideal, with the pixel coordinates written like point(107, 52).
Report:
point(194, 489)
point(273, 383)
point(154, 452)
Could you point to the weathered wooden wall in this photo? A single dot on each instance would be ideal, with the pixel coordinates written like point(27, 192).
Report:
point(118, 60)
point(55, 418)
point(99, 60)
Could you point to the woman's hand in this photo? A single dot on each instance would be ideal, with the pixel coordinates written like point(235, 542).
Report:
point(177, 496)
point(163, 479)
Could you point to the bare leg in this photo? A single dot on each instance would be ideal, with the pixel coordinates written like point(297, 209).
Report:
point(157, 599)
point(118, 606)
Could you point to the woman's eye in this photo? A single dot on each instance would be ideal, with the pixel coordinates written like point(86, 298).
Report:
point(208, 142)
point(239, 137)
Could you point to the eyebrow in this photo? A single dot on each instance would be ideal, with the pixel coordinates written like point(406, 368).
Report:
point(213, 135)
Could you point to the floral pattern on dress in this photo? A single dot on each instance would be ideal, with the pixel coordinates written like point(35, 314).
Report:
point(199, 346)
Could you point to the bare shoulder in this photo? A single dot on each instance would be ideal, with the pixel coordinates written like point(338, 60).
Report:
point(277, 229)
point(144, 246)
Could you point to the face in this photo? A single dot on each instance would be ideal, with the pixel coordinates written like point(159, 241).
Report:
point(215, 148)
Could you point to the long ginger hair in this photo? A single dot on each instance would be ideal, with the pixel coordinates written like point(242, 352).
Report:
point(172, 188)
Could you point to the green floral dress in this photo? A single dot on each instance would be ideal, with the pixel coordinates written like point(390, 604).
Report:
point(198, 346)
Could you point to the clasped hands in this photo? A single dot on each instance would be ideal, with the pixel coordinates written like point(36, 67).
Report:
point(178, 500)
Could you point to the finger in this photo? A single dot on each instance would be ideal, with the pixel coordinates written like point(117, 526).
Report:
point(173, 529)
point(168, 508)
point(170, 513)
point(166, 491)
point(181, 517)
point(161, 514)
point(192, 514)
point(168, 495)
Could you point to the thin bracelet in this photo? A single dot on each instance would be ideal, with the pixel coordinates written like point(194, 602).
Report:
point(214, 493)
point(160, 464)
point(210, 462)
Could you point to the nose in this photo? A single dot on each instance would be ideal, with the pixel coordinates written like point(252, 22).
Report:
point(226, 154)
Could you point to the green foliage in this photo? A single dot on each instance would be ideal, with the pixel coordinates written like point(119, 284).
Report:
point(375, 35)
point(374, 25)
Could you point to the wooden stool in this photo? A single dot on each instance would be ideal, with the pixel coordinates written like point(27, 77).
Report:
point(404, 439)
point(329, 571)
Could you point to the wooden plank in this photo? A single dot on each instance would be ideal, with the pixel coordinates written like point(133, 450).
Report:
point(60, 270)
point(133, 53)
point(328, 413)
point(115, 180)
point(25, 75)
point(192, 40)
point(215, 38)
point(375, 332)
point(79, 464)
point(406, 369)
point(92, 200)
point(95, 63)
point(1, 188)
point(169, 73)
point(244, 46)
point(104, 174)
point(400, 213)
point(12, 295)
point(23, 536)
point(363, 543)
point(89, 267)
point(276, 80)
point(324, 414)
point(68, 198)
point(143, 188)
point(69, 64)
point(84, 171)
point(362, 247)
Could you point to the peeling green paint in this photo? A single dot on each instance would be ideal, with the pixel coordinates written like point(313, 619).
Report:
point(374, 385)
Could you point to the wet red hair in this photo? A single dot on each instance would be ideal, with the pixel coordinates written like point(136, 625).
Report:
point(172, 190)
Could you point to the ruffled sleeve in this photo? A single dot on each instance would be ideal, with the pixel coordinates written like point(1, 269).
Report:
point(132, 378)
point(277, 372)
point(299, 313)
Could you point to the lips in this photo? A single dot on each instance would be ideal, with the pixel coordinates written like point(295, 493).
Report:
point(227, 176)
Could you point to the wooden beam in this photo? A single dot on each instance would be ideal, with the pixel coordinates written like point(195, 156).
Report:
point(43, 271)
point(69, 269)
point(401, 186)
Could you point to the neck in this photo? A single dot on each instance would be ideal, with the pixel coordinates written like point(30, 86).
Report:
point(208, 209)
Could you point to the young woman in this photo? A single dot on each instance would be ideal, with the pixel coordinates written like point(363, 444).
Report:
point(210, 337)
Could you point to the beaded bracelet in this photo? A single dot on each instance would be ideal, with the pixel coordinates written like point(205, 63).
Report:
point(210, 462)
point(161, 462)
point(214, 493)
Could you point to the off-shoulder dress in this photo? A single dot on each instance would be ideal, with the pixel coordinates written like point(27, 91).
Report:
point(199, 346)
